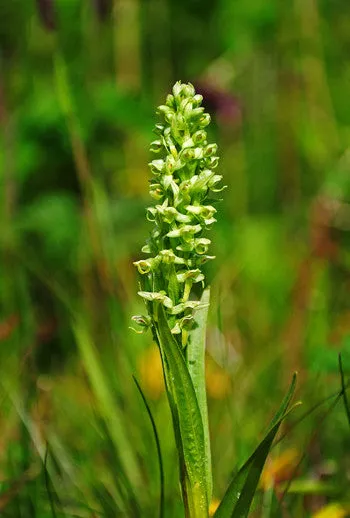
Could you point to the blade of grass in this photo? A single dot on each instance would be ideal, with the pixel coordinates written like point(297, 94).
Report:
point(108, 408)
point(335, 395)
point(126, 497)
point(319, 427)
point(343, 388)
point(239, 495)
point(285, 403)
point(47, 484)
point(159, 452)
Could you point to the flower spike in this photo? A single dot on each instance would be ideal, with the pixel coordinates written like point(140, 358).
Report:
point(182, 178)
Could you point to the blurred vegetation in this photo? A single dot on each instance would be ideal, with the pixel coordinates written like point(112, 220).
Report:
point(79, 81)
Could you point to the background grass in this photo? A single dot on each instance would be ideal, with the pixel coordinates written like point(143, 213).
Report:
point(79, 83)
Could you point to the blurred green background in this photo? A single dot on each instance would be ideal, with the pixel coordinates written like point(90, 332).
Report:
point(79, 84)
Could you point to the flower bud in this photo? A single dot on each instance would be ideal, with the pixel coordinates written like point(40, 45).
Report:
point(197, 112)
point(170, 101)
point(169, 116)
point(188, 90)
point(165, 110)
point(197, 100)
point(182, 90)
point(177, 88)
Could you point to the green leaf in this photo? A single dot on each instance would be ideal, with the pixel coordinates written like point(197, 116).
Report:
point(159, 453)
point(196, 367)
point(187, 419)
point(343, 388)
point(240, 493)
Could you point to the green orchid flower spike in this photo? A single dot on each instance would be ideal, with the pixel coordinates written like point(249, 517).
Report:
point(183, 180)
point(182, 185)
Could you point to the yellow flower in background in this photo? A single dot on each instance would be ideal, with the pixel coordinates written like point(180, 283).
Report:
point(217, 380)
point(151, 372)
point(213, 506)
point(280, 468)
point(331, 511)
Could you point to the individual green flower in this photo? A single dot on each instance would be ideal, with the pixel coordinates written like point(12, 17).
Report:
point(183, 178)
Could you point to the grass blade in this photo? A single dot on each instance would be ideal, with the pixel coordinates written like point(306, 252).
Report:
point(285, 402)
point(240, 493)
point(159, 452)
point(107, 406)
point(50, 493)
point(343, 388)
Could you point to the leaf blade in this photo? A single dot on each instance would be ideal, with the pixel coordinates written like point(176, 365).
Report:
point(196, 367)
point(186, 415)
point(343, 388)
point(239, 495)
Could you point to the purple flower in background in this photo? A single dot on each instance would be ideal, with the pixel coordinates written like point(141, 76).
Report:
point(47, 13)
point(221, 102)
point(103, 8)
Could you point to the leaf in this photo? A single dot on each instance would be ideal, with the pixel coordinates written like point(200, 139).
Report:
point(187, 419)
point(343, 387)
point(196, 367)
point(240, 493)
point(159, 453)
point(51, 493)
point(285, 402)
